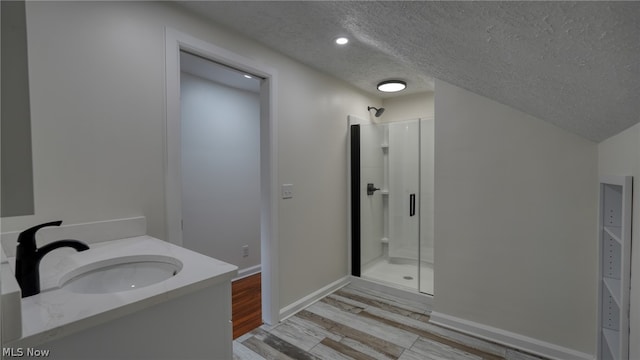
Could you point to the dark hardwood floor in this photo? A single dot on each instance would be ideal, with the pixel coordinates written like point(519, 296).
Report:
point(246, 311)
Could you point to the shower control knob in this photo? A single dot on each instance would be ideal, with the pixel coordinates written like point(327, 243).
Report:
point(371, 189)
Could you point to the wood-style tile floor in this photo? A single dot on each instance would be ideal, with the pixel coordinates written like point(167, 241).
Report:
point(357, 323)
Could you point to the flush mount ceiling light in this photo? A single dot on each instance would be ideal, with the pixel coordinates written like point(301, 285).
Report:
point(248, 76)
point(342, 40)
point(392, 85)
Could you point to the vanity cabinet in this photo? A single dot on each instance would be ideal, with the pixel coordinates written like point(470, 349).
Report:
point(194, 326)
point(614, 269)
point(185, 316)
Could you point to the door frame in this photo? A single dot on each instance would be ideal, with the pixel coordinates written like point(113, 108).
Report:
point(176, 41)
point(351, 120)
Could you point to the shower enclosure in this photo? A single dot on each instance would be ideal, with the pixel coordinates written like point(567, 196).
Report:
point(391, 171)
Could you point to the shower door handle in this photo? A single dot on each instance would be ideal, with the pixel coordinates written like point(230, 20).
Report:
point(412, 204)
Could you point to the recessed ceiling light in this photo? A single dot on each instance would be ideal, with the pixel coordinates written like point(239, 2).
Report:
point(392, 85)
point(342, 40)
point(248, 76)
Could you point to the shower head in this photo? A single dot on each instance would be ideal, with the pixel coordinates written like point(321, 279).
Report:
point(378, 111)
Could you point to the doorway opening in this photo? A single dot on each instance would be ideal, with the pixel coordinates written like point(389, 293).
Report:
point(221, 141)
point(220, 147)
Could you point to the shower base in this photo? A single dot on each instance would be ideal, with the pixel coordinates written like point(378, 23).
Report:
point(399, 274)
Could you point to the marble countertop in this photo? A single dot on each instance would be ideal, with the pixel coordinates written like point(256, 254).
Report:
point(55, 312)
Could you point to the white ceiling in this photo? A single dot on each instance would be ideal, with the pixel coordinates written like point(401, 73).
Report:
point(574, 64)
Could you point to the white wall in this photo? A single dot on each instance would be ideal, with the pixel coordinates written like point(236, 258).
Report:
point(405, 107)
point(97, 106)
point(515, 221)
point(620, 155)
point(220, 170)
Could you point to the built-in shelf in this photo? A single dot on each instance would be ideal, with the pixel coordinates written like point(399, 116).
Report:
point(614, 286)
point(384, 191)
point(614, 268)
point(614, 232)
point(612, 339)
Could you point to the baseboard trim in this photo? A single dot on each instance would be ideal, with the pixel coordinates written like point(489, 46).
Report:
point(293, 308)
point(507, 338)
point(246, 272)
point(425, 299)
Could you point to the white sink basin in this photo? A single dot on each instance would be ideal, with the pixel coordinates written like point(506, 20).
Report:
point(120, 274)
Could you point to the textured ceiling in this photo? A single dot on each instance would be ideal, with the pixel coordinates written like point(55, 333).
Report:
point(574, 64)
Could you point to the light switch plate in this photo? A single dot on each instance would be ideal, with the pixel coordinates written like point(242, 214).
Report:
point(287, 191)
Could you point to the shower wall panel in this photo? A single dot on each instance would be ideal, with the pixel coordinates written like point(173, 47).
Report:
point(371, 209)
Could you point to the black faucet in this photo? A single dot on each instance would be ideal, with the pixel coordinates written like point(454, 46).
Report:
point(28, 257)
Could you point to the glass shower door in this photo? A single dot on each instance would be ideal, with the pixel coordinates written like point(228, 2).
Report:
point(392, 203)
point(388, 206)
point(404, 199)
point(426, 205)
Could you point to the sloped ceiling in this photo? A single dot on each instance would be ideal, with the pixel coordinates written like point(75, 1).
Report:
point(573, 64)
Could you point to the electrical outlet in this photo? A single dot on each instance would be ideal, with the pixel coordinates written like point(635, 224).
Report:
point(287, 191)
point(245, 251)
